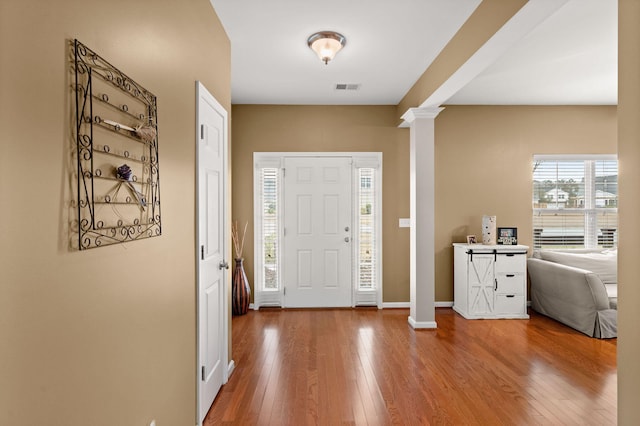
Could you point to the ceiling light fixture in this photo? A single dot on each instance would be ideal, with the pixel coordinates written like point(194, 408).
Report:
point(326, 44)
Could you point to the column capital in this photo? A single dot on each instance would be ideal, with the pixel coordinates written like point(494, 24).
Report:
point(414, 114)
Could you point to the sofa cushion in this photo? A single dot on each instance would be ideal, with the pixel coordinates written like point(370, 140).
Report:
point(603, 264)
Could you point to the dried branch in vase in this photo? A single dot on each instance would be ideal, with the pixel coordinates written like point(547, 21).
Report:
point(238, 240)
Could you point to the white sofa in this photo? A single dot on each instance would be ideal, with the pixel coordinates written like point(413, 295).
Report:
point(578, 288)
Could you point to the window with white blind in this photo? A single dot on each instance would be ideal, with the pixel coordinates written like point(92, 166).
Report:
point(366, 251)
point(575, 201)
point(269, 183)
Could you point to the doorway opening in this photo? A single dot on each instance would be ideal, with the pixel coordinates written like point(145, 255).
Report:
point(318, 229)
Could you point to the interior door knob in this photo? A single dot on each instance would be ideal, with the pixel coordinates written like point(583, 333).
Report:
point(346, 239)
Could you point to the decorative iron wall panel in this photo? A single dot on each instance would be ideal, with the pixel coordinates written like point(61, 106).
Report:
point(118, 193)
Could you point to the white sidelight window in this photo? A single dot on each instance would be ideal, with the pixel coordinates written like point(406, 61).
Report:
point(267, 181)
point(270, 224)
point(366, 223)
point(367, 234)
point(575, 201)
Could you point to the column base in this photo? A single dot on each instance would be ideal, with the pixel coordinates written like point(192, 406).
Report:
point(422, 324)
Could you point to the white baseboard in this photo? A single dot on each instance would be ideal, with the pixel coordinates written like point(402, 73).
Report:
point(422, 324)
point(230, 368)
point(395, 305)
point(401, 305)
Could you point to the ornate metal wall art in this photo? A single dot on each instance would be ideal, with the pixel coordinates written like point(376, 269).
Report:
point(117, 154)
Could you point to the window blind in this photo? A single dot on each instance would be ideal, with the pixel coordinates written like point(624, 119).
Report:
point(575, 202)
point(269, 184)
point(366, 226)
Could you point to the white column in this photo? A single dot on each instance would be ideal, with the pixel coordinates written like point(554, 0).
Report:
point(422, 210)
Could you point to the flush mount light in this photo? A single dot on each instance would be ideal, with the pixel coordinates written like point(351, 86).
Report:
point(326, 44)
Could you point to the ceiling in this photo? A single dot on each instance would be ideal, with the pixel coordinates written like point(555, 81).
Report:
point(568, 59)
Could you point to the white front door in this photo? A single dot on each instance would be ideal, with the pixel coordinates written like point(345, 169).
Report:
point(212, 341)
point(317, 232)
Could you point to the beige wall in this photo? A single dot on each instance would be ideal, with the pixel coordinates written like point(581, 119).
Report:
point(629, 157)
point(272, 128)
point(483, 166)
point(105, 336)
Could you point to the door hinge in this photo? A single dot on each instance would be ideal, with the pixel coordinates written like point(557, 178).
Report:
point(202, 131)
point(202, 252)
point(203, 374)
point(284, 232)
point(284, 291)
point(283, 172)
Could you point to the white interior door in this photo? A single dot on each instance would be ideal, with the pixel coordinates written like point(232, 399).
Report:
point(212, 340)
point(317, 231)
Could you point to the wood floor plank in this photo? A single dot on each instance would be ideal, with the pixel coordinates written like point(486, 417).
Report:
point(369, 367)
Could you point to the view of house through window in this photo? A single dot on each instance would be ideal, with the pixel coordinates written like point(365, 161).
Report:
point(575, 202)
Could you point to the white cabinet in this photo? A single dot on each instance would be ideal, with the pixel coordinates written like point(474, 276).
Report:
point(490, 281)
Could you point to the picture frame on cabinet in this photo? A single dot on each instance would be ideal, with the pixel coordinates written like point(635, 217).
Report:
point(471, 239)
point(507, 236)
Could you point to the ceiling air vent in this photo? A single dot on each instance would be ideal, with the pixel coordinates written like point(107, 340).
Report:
point(349, 86)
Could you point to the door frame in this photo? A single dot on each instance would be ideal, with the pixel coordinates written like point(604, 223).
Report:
point(201, 94)
point(276, 160)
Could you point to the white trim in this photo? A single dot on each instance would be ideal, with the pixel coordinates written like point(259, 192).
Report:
point(396, 305)
point(231, 368)
point(414, 114)
point(576, 157)
point(422, 324)
point(406, 305)
point(268, 157)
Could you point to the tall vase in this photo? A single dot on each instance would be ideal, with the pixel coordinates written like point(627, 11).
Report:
point(489, 230)
point(240, 289)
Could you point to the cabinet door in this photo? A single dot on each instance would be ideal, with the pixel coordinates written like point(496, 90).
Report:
point(481, 284)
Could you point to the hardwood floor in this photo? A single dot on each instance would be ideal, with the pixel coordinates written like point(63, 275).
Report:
point(367, 366)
